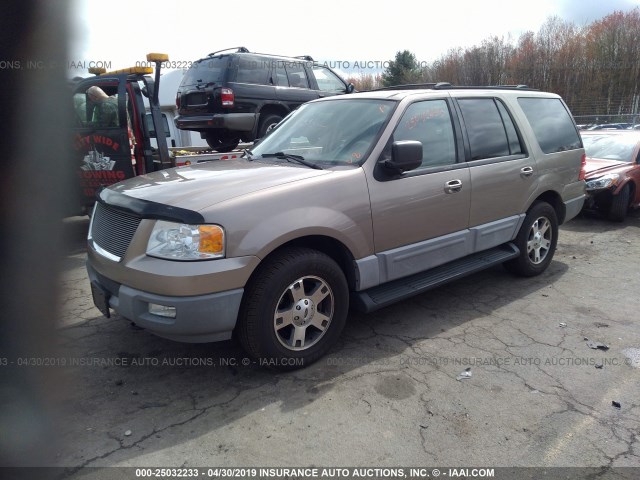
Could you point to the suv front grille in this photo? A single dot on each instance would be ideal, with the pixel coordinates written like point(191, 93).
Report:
point(112, 230)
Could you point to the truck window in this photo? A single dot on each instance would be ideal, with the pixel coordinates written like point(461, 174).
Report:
point(327, 80)
point(551, 124)
point(252, 70)
point(152, 130)
point(208, 70)
point(485, 127)
point(280, 75)
point(80, 108)
point(429, 122)
point(296, 74)
point(102, 107)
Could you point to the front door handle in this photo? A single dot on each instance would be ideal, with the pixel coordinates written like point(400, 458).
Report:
point(453, 186)
point(526, 171)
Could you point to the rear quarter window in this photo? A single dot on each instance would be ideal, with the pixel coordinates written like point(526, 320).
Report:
point(551, 124)
point(254, 70)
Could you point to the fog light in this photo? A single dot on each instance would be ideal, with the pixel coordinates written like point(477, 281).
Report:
point(162, 310)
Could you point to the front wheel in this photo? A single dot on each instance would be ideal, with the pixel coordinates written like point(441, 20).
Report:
point(620, 205)
point(536, 240)
point(293, 309)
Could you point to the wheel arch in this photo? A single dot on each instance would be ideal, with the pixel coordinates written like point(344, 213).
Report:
point(273, 108)
point(554, 199)
point(632, 187)
point(330, 246)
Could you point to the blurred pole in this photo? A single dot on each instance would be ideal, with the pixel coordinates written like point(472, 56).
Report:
point(34, 177)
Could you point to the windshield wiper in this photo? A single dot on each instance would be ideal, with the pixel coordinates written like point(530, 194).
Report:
point(296, 158)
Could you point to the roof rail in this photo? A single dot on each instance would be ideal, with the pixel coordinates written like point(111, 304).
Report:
point(416, 86)
point(308, 58)
point(494, 87)
point(448, 86)
point(237, 49)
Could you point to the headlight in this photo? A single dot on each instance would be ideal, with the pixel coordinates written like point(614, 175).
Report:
point(176, 241)
point(604, 181)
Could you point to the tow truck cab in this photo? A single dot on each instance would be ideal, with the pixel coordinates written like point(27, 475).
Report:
point(110, 148)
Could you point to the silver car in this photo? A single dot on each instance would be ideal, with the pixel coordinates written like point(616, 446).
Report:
point(351, 201)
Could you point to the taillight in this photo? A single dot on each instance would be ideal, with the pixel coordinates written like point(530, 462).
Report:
point(583, 167)
point(178, 100)
point(227, 97)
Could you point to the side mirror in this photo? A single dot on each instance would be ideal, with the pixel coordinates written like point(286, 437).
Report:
point(406, 155)
point(351, 88)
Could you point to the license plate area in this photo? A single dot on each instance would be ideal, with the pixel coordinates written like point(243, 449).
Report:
point(100, 299)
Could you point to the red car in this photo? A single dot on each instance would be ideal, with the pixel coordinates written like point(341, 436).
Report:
point(613, 171)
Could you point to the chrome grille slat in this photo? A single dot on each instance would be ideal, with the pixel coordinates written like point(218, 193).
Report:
point(112, 230)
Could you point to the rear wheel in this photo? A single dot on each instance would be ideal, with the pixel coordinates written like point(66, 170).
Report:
point(293, 309)
point(267, 123)
point(221, 142)
point(536, 240)
point(620, 205)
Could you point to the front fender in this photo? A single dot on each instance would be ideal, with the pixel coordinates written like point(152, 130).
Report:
point(271, 233)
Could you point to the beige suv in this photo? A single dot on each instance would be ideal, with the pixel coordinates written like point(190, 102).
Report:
point(351, 201)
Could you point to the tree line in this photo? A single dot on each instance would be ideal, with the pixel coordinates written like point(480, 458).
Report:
point(595, 68)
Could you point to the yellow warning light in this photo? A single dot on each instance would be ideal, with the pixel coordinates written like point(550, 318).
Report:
point(157, 57)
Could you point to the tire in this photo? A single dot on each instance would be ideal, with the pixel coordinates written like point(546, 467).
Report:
point(267, 123)
point(222, 143)
point(536, 240)
point(293, 309)
point(620, 205)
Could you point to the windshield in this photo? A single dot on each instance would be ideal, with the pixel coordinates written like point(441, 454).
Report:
point(611, 147)
point(338, 132)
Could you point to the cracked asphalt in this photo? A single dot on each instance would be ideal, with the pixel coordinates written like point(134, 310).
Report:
point(388, 394)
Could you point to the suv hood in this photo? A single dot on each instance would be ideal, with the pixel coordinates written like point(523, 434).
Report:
point(599, 166)
point(199, 186)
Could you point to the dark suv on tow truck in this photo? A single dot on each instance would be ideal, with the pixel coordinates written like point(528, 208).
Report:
point(237, 95)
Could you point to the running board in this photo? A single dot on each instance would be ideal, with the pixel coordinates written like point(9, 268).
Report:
point(391, 292)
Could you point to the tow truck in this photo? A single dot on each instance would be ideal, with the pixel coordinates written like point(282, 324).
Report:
point(108, 153)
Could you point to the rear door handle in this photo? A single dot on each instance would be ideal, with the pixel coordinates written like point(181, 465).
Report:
point(526, 171)
point(453, 186)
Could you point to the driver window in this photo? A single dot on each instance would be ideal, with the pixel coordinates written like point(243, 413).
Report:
point(80, 108)
point(327, 80)
point(429, 122)
point(102, 107)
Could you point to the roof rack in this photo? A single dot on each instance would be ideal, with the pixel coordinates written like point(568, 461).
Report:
point(416, 86)
point(448, 86)
point(237, 49)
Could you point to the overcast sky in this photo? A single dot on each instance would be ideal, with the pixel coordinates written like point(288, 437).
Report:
point(122, 32)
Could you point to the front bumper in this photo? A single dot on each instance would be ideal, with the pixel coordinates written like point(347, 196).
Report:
point(199, 318)
point(237, 122)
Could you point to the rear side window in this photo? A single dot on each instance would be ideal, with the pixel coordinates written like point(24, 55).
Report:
point(280, 75)
point(551, 124)
point(296, 74)
point(253, 70)
point(489, 127)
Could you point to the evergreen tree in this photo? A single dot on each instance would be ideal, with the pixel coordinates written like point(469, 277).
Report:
point(402, 70)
